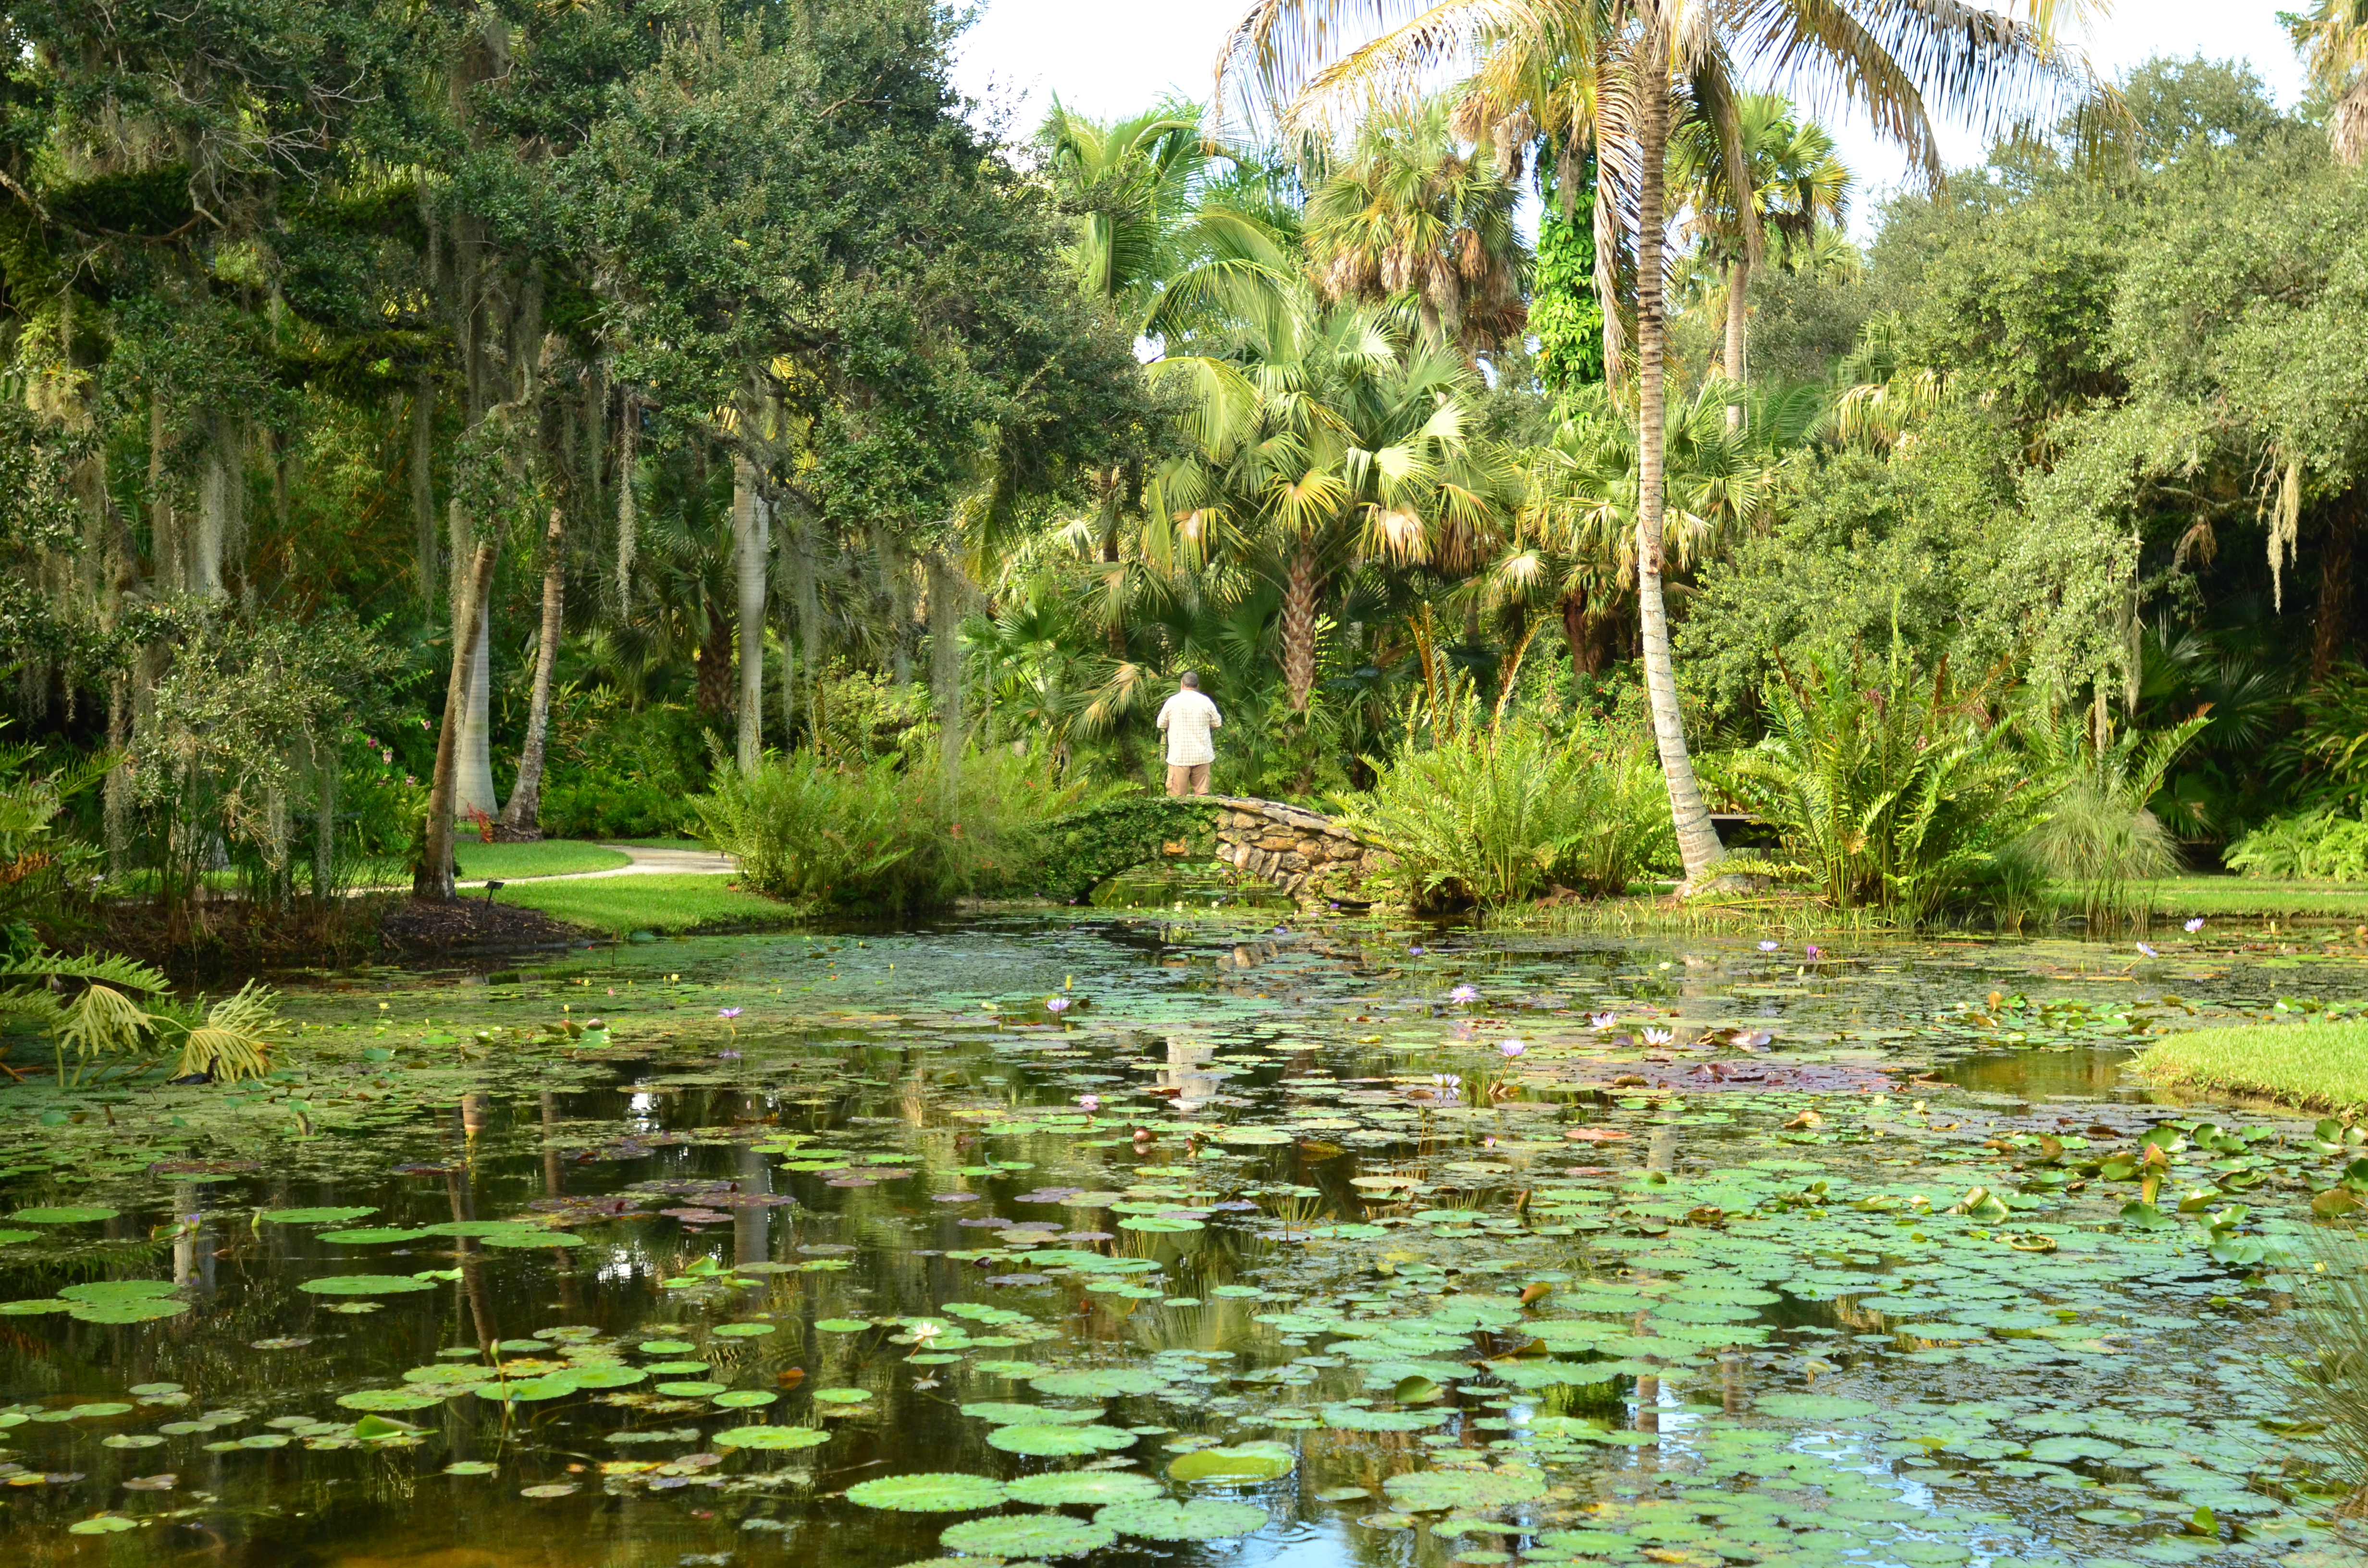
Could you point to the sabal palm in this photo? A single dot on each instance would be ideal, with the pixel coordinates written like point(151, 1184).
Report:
point(1327, 439)
point(1641, 60)
point(2333, 37)
point(1417, 213)
point(1793, 184)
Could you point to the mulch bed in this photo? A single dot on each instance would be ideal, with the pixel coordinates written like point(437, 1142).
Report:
point(411, 929)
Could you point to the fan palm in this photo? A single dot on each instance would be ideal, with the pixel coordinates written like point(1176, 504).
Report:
point(1419, 214)
point(1642, 60)
point(1327, 439)
point(2333, 37)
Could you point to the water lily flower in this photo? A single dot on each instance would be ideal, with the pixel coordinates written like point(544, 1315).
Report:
point(1815, 951)
point(727, 1012)
point(1089, 1102)
point(1602, 1020)
point(1416, 951)
point(2195, 924)
point(595, 1023)
point(1511, 1047)
point(1057, 1005)
point(1466, 993)
point(1768, 947)
point(1446, 1085)
point(727, 1056)
point(2148, 951)
point(1659, 1037)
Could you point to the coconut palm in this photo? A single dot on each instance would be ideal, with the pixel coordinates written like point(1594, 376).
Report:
point(2333, 37)
point(1793, 184)
point(1648, 61)
point(1417, 213)
point(1328, 440)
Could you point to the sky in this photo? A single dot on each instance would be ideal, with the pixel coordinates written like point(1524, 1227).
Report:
point(1107, 58)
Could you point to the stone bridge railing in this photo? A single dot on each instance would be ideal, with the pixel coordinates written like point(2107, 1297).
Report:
point(1308, 855)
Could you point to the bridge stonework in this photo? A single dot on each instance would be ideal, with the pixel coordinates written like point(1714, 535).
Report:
point(1308, 855)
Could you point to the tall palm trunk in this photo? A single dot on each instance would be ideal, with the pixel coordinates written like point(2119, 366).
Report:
point(432, 876)
point(522, 818)
point(748, 551)
point(1738, 284)
point(1300, 588)
point(1697, 839)
point(472, 785)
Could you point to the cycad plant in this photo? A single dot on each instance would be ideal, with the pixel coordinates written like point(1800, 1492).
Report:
point(1894, 786)
point(107, 1005)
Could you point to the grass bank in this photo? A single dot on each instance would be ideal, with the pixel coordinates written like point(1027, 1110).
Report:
point(2315, 1067)
point(663, 905)
point(2181, 898)
point(551, 857)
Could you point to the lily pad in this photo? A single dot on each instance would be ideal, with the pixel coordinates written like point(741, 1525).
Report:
point(1087, 1488)
point(771, 1437)
point(841, 1396)
point(316, 1216)
point(1042, 1440)
point(365, 1285)
point(1247, 1462)
point(1111, 1385)
point(1013, 1536)
point(745, 1399)
point(741, 1330)
point(71, 1214)
point(370, 1235)
point(936, 1493)
point(131, 1309)
point(413, 1397)
point(1202, 1520)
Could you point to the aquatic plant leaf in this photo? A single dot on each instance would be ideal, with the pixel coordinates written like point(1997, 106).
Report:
point(701, 1388)
point(745, 1399)
point(1013, 1536)
point(365, 1285)
point(413, 1397)
point(69, 1215)
point(315, 1216)
point(1205, 1519)
point(523, 1237)
point(1356, 1418)
point(119, 1291)
point(471, 1467)
point(936, 1493)
point(134, 1308)
point(10, 1238)
point(1086, 1488)
point(370, 1235)
point(1247, 1462)
point(741, 1330)
point(102, 1524)
point(842, 1325)
point(33, 1307)
point(1044, 1440)
point(1003, 1414)
point(771, 1437)
point(1113, 1383)
point(1812, 1406)
point(841, 1396)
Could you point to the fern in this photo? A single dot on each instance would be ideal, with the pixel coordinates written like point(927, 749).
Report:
point(231, 1041)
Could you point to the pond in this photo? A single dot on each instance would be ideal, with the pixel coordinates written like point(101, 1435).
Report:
point(1122, 1236)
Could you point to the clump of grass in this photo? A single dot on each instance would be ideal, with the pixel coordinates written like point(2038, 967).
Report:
point(2321, 1066)
point(2326, 1380)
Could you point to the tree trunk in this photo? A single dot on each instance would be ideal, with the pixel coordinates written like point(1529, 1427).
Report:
point(749, 543)
point(522, 818)
point(219, 495)
point(423, 485)
point(626, 519)
point(2331, 630)
point(945, 587)
point(1300, 590)
point(714, 658)
point(1738, 286)
point(474, 783)
point(1579, 630)
point(432, 878)
point(325, 757)
point(1697, 839)
point(163, 534)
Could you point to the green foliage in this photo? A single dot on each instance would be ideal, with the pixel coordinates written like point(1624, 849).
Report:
point(1566, 313)
point(878, 833)
point(1493, 813)
point(1084, 848)
point(2100, 835)
point(2324, 846)
point(1893, 786)
point(40, 862)
point(2326, 1380)
point(230, 1042)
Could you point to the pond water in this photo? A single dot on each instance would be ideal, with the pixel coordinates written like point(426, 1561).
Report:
point(1124, 1237)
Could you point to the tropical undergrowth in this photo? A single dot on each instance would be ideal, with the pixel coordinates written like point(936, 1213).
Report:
point(106, 1010)
point(1495, 811)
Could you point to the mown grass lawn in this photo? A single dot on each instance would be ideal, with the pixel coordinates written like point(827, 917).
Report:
point(2318, 1066)
point(662, 904)
point(551, 857)
point(2180, 898)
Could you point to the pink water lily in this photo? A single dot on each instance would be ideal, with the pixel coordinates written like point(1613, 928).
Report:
point(727, 1012)
point(1089, 1102)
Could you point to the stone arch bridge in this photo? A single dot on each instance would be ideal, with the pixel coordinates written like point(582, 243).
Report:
point(1311, 857)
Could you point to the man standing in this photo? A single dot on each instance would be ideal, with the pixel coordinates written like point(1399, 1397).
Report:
point(1189, 717)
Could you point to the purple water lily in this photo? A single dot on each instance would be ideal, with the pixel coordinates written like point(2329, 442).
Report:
point(2195, 924)
point(1768, 947)
point(727, 1012)
point(1057, 1005)
point(1511, 1047)
point(2148, 951)
point(1465, 993)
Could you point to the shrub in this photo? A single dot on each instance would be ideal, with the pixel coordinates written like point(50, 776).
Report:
point(1892, 786)
point(876, 834)
point(1497, 814)
point(2100, 835)
point(2322, 845)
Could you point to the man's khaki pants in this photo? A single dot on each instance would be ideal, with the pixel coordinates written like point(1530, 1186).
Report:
point(1187, 779)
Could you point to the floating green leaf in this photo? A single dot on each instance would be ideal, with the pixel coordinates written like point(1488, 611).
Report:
point(1201, 1520)
point(1043, 1440)
point(1015, 1536)
point(771, 1437)
point(940, 1493)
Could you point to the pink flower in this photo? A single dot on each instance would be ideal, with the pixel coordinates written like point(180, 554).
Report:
point(727, 1012)
point(1465, 993)
point(1089, 1102)
point(2194, 925)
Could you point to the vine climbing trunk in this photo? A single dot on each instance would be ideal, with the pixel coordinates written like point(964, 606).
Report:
point(431, 879)
point(522, 817)
point(1698, 842)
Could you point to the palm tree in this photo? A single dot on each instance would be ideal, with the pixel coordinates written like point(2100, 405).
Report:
point(1328, 440)
point(1421, 215)
point(2333, 37)
point(1793, 184)
point(1643, 61)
